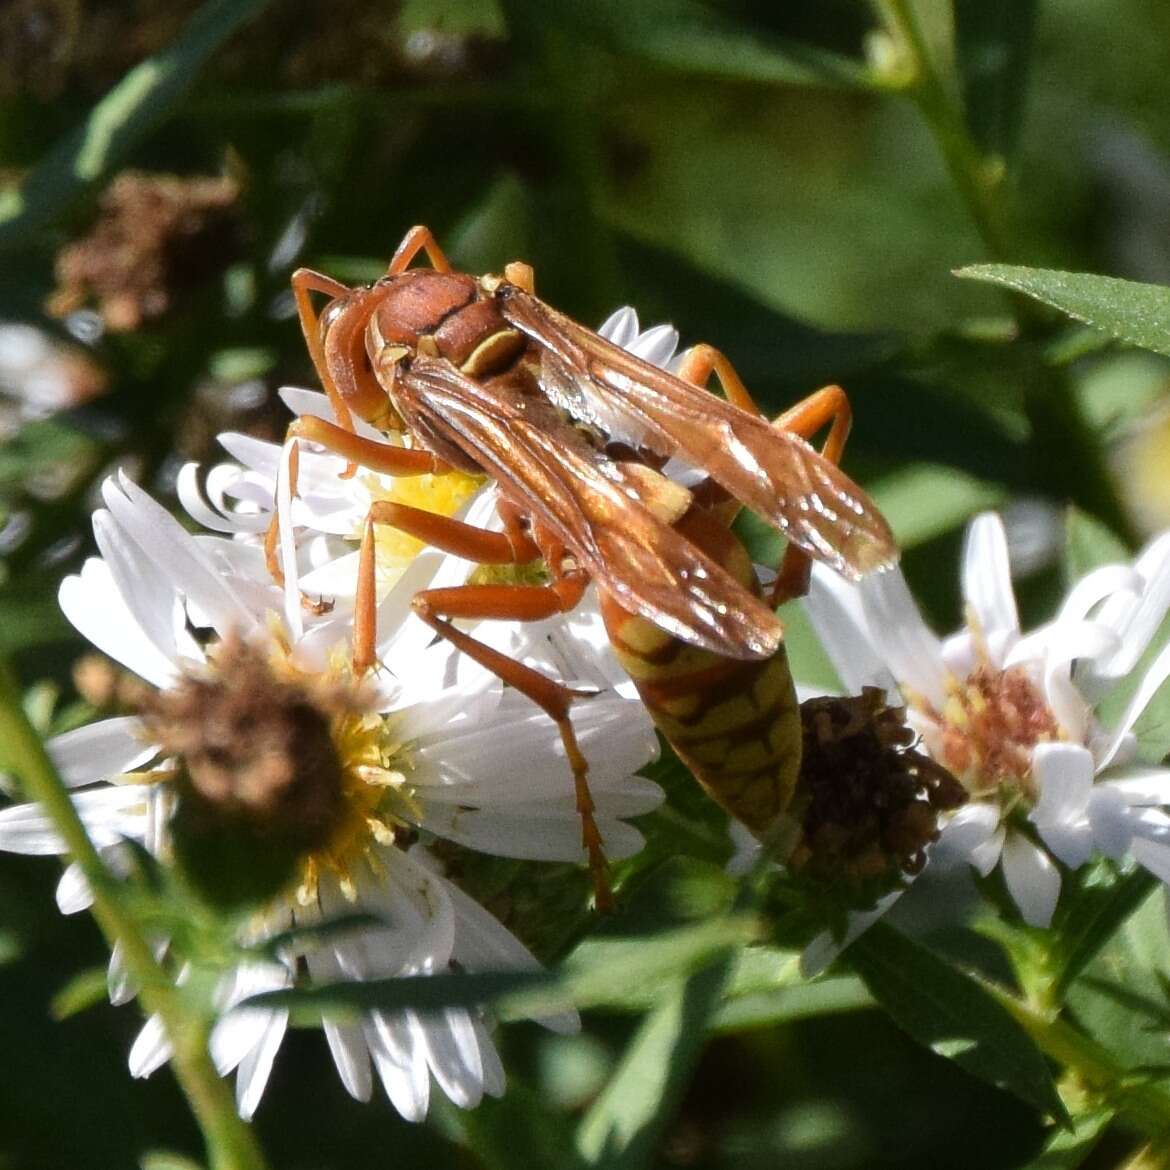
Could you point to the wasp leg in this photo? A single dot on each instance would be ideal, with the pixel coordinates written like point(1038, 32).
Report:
point(305, 282)
point(418, 239)
point(701, 361)
point(527, 603)
point(381, 457)
point(829, 405)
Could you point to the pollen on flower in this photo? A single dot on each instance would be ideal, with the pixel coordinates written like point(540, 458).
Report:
point(288, 768)
point(988, 727)
point(868, 801)
point(442, 494)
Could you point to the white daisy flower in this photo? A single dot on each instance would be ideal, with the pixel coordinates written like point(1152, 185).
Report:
point(433, 744)
point(1016, 717)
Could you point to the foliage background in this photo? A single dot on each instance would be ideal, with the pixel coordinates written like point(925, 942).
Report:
point(748, 171)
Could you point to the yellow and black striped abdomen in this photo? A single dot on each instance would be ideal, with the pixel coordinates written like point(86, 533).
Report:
point(734, 722)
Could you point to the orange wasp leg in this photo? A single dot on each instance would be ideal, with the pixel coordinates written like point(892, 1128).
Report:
point(527, 603)
point(305, 282)
point(381, 457)
point(418, 239)
point(829, 405)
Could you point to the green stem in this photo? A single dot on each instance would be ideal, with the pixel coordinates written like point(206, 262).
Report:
point(1146, 1106)
point(979, 179)
point(231, 1144)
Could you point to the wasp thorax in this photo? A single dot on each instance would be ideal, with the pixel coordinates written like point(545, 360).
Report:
point(870, 802)
point(260, 781)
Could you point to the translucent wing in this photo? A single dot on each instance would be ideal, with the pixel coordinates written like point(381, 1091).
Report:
point(594, 506)
point(775, 473)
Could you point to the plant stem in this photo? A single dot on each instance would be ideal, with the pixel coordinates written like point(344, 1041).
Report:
point(979, 179)
point(231, 1144)
point(1146, 1106)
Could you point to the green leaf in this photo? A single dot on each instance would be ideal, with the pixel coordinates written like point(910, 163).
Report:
point(115, 126)
point(1131, 312)
point(83, 991)
point(1088, 544)
point(993, 44)
point(613, 972)
point(1120, 995)
point(1089, 919)
point(947, 1010)
point(923, 500)
point(1068, 1148)
point(515, 1132)
point(700, 40)
point(168, 1160)
point(765, 1009)
point(623, 1128)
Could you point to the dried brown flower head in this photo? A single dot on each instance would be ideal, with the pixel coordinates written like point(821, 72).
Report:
point(869, 802)
point(156, 237)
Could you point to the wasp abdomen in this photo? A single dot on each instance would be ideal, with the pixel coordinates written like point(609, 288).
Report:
point(734, 722)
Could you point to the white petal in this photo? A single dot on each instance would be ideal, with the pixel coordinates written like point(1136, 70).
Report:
point(484, 944)
point(1083, 640)
point(1112, 821)
point(73, 892)
point(620, 327)
point(151, 1049)
point(109, 813)
point(100, 750)
point(311, 402)
point(1154, 855)
point(1154, 677)
point(903, 641)
point(255, 1068)
point(1064, 775)
point(825, 948)
point(972, 835)
point(656, 345)
point(97, 610)
point(1142, 785)
point(1137, 620)
point(452, 1051)
point(176, 554)
point(1032, 879)
point(121, 986)
point(400, 1063)
point(835, 608)
point(493, 1070)
point(987, 579)
point(351, 1057)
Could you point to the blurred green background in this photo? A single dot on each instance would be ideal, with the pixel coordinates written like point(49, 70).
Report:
point(745, 170)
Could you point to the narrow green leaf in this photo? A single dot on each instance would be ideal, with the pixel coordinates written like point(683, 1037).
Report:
point(1068, 1148)
point(613, 972)
point(698, 39)
point(1088, 544)
point(624, 1126)
point(138, 103)
point(765, 1009)
point(1132, 312)
point(993, 45)
point(1091, 918)
point(947, 1010)
point(85, 990)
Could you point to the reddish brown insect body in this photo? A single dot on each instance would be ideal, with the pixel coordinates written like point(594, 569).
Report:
point(485, 378)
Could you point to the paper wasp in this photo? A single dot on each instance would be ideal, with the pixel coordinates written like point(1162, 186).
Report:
point(483, 377)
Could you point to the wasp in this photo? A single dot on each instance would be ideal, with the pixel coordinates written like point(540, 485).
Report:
point(481, 376)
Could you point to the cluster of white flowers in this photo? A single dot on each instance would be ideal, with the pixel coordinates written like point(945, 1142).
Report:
point(441, 751)
point(444, 751)
point(1016, 717)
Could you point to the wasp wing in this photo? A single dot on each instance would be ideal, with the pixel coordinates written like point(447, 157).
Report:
point(774, 472)
point(590, 503)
